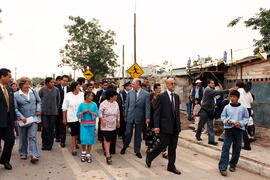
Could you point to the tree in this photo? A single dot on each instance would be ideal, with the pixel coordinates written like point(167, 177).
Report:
point(36, 80)
point(260, 21)
point(208, 59)
point(89, 47)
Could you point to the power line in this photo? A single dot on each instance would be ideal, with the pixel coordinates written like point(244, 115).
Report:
point(243, 49)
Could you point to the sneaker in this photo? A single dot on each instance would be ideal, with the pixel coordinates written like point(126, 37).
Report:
point(232, 169)
point(223, 173)
point(89, 158)
point(83, 156)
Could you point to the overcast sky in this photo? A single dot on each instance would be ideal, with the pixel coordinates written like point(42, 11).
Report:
point(172, 30)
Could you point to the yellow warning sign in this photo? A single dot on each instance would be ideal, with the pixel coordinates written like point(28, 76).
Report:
point(135, 71)
point(88, 74)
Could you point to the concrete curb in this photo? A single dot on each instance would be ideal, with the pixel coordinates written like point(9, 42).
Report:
point(246, 163)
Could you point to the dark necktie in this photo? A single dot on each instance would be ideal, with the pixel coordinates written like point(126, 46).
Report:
point(136, 95)
point(173, 108)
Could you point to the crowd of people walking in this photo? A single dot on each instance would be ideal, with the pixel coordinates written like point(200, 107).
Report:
point(153, 115)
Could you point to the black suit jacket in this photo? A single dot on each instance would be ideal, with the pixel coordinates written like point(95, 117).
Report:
point(98, 98)
point(7, 119)
point(62, 94)
point(163, 116)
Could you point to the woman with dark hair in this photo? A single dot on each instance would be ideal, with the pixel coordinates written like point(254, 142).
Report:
point(109, 115)
point(87, 114)
point(72, 100)
point(151, 138)
point(14, 87)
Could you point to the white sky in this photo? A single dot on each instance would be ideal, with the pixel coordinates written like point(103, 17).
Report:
point(172, 30)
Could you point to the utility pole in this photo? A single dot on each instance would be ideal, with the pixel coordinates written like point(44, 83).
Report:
point(231, 57)
point(135, 58)
point(15, 73)
point(123, 62)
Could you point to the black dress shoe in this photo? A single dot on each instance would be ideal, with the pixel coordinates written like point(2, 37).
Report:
point(198, 138)
point(175, 171)
point(213, 143)
point(7, 166)
point(57, 140)
point(62, 145)
point(220, 139)
point(246, 148)
point(147, 161)
point(139, 155)
point(123, 151)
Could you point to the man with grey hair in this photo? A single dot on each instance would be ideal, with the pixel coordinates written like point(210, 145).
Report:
point(167, 125)
point(137, 111)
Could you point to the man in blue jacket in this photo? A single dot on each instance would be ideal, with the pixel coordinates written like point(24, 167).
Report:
point(137, 111)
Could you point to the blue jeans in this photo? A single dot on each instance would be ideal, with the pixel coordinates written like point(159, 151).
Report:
point(28, 135)
point(204, 118)
point(189, 104)
point(234, 138)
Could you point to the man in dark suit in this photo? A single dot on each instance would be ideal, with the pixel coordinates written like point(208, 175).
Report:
point(7, 117)
point(167, 125)
point(137, 111)
point(121, 100)
point(60, 128)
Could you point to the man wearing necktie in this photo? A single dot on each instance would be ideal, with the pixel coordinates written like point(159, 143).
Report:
point(60, 128)
point(167, 125)
point(137, 111)
point(7, 117)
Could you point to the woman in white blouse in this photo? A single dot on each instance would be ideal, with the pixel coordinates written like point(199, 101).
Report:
point(70, 106)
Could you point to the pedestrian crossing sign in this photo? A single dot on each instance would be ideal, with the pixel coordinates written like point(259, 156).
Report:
point(88, 74)
point(135, 71)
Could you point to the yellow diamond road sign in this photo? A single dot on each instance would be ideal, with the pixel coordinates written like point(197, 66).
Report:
point(135, 71)
point(88, 74)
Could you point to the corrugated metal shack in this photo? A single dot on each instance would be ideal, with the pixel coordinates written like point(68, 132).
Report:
point(247, 69)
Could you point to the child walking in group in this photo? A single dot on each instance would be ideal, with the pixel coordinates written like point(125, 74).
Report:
point(87, 114)
point(235, 117)
point(196, 113)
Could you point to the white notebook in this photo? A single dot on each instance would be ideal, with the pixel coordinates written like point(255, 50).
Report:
point(29, 120)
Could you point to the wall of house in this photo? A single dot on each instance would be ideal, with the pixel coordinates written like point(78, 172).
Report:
point(259, 75)
point(252, 70)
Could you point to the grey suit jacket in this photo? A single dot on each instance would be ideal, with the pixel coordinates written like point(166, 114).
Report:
point(137, 112)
